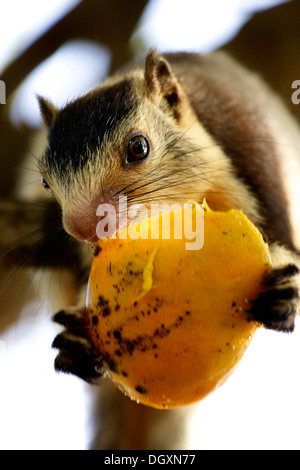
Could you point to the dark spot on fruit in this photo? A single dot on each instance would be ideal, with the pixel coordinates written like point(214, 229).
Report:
point(117, 334)
point(141, 389)
point(106, 312)
point(101, 301)
point(97, 250)
point(113, 366)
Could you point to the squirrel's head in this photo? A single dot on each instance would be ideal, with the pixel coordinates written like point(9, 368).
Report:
point(132, 136)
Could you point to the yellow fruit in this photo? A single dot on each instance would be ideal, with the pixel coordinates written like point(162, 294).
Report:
point(168, 320)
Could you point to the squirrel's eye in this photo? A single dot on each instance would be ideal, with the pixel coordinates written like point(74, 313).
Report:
point(138, 148)
point(45, 184)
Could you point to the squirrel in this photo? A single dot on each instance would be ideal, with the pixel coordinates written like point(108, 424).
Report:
point(172, 128)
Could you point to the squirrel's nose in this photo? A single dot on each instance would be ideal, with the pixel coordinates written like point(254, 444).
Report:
point(91, 220)
point(81, 224)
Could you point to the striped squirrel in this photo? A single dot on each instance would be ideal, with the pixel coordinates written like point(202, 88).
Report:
point(177, 127)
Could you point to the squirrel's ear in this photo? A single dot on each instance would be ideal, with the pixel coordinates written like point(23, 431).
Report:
point(161, 83)
point(48, 111)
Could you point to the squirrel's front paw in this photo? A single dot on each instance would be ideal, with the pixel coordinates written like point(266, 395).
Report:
point(276, 307)
point(77, 354)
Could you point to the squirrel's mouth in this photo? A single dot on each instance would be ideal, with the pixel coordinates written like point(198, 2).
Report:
point(103, 217)
point(91, 221)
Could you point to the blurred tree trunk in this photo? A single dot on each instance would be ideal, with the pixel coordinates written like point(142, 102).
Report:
point(109, 23)
point(270, 43)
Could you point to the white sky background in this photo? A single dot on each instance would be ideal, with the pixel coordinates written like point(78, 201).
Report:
point(259, 406)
